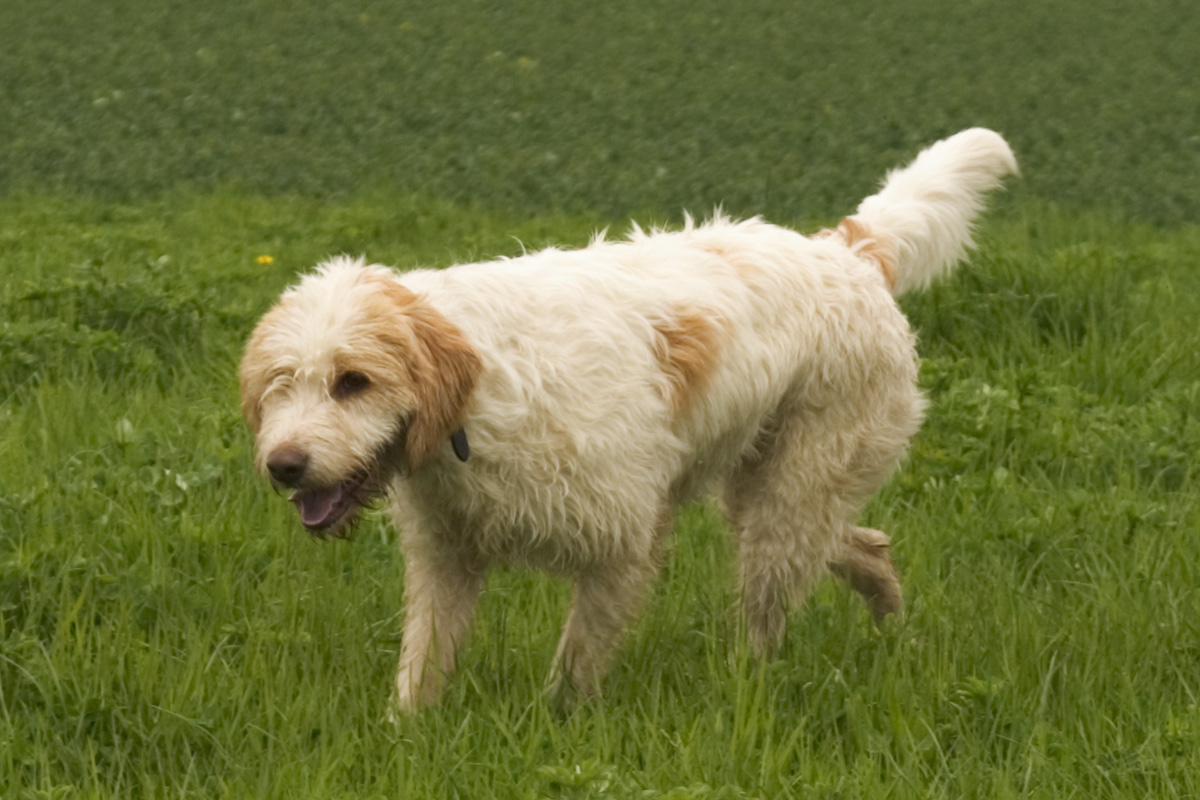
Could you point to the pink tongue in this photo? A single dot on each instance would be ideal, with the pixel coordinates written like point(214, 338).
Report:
point(318, 508)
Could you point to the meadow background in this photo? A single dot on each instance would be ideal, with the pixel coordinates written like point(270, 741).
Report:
point(166, 627)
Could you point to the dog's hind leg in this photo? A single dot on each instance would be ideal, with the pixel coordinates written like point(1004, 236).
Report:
point(793, 503)
point(865, 562)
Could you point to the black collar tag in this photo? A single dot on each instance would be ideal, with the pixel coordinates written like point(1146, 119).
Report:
point(458, 441)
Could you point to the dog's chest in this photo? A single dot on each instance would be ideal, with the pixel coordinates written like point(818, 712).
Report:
point(544, 517)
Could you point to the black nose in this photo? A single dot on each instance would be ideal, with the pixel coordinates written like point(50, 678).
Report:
point(287, 466)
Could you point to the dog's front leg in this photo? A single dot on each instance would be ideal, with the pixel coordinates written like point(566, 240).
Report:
point(440, 594)
point(607, 597)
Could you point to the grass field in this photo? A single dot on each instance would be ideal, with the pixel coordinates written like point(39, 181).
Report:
point(166, 629)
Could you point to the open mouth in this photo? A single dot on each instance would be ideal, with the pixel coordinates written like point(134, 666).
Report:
point(332, 511)
point(323, 511)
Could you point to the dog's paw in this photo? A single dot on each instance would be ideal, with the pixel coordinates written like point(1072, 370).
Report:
point(866, 564)
point(563, 693)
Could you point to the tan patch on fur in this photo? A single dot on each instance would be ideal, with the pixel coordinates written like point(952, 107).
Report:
point(867, 244)
point(742, 266)
point(716, 248)
point(443, 366)
point(688, 349)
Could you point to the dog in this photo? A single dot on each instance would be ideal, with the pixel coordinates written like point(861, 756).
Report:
point(553, 410)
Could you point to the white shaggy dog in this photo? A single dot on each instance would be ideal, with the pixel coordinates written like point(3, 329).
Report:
point(552, 410)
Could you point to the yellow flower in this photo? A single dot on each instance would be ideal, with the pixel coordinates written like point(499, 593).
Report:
point(265, 259)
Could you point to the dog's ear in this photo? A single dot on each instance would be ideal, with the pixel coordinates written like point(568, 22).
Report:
point(254, 374)
point(443, 381)
point(253, 385)
point(440, 361)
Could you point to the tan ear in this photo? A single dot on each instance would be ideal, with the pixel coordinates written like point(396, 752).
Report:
point(252, 388)
point(443, 366)
point(443, 383)
point(254, 372)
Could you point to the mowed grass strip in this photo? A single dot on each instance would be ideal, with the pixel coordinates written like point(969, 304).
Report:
point(166, 627)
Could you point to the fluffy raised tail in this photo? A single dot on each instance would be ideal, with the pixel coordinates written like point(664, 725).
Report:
point(918, 226)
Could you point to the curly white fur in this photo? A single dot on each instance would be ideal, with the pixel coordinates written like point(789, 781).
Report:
point(601, 388)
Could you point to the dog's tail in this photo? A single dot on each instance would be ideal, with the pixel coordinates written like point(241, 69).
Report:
point(918, 226)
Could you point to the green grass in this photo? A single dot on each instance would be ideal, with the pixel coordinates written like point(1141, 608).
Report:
point(790, 108)
point(166, 629)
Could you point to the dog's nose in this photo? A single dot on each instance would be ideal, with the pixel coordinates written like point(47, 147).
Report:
point(287, 466)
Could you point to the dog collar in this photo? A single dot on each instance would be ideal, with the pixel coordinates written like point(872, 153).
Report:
point(458, 441)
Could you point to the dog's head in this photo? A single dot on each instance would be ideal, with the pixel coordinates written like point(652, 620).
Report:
point(348, 381)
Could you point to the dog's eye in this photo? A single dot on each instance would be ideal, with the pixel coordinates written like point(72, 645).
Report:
point(349, 384)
